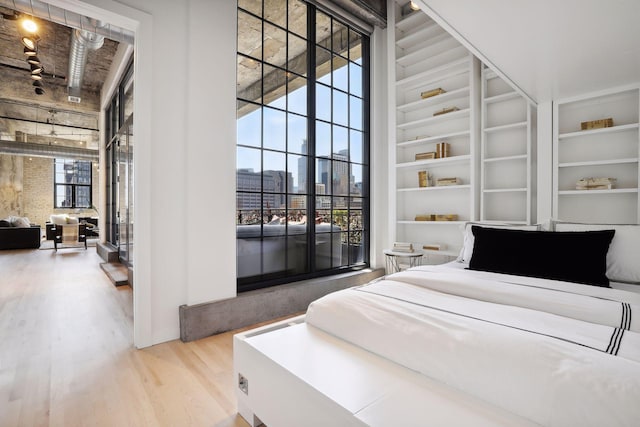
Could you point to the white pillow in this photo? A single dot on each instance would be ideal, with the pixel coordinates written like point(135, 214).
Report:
point(21, 222)
point(469, 239)
point(622, 259)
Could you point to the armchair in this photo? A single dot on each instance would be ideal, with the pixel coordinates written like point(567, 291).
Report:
point(67, 230)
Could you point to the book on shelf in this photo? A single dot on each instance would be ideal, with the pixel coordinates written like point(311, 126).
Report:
point(425, 217)
point(442, 150)
point(446, 110)
point(595, 183)
point(432, 92)
point(447, 217)
point(597, 124)
point(426, 156)
point(424, 179)
point(448, 181)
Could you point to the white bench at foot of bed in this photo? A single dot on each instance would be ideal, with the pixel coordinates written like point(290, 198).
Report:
point(294, 374)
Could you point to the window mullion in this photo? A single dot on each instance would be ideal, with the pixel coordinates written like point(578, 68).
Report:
point(311, 135)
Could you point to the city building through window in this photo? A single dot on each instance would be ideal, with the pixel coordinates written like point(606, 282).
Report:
point(302, 201)
point(72, 183)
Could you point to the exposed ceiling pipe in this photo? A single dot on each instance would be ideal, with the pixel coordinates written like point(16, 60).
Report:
point(58, 15)
point(30, 149)
point(81, 43)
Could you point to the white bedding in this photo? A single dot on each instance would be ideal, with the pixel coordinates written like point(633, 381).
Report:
point(557, 353)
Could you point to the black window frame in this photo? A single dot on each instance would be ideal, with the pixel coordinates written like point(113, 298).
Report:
point(72, 185)
point(364, 232)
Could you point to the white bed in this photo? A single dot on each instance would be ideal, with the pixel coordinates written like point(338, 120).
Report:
point(444, 345)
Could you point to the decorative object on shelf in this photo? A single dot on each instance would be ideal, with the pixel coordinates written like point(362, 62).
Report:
point(424, 179)
point(447, 181)
point(425, 217)
point(402, 247)
point(432, 92)
point(434, 246)
point(426, 156)
point(595, 183)
point(446, 110)
point(442, 150)
point(597, 124)
point(447, 217)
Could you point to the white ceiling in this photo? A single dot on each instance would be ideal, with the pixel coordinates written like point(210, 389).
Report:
point(549, 48)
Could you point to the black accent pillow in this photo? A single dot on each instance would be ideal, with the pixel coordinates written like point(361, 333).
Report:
point(572, 256)
point(5, 223)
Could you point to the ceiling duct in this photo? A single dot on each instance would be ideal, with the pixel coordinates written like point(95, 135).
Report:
point(61, 16)
point(82, 42)
point(29, 149)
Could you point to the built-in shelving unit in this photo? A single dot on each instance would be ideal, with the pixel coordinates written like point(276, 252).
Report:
point(507, 145)
point(610, 152)
point(428, 58)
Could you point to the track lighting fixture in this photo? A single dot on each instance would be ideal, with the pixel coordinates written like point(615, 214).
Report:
point(36, 76)
point(29, 52)
point(36, 69)
point(33, 60)
point(30, 41)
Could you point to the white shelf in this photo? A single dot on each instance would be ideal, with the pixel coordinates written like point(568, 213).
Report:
point(440, 44)
point(411, 21)
point(598, 162)
point(435, 188)
point(518, 125)
point(446, 161)
point(433, 222)
point(416, 37)
point(506, 158)
point(489, 74)
point(506, 190)
point(421, 103)
point(434, 119)
point(596, 192)
point(434, 75)
point(438, 138)
point(427, 57)
point(613, 129)
point(502, 97)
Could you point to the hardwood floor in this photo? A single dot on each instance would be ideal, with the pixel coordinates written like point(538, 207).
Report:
point(67, 355)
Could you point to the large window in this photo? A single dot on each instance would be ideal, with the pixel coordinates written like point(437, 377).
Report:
point(72, 184)
point(302, 149)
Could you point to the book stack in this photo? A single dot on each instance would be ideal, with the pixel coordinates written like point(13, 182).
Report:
point(442, 150)
point(597, 124)
point(595, 183)
point(424, 179)
point(425, 217)
point(447, 181)
point(448, 217)
point(432, 92)
point(402, 247)
point(426, 156)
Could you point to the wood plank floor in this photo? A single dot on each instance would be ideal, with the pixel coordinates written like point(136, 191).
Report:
point(67, 355)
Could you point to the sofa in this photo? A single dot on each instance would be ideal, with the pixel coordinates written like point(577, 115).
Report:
point(16, 234)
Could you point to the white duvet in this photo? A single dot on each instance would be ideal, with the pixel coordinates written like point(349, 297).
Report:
point(557, 353)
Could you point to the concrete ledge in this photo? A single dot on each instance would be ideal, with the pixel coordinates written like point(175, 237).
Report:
point(107, 252)
point(248, 308)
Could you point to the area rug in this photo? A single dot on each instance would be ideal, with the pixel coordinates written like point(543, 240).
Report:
point(48, 244)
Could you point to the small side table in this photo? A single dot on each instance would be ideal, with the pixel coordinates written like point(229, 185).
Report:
point(392, 259)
